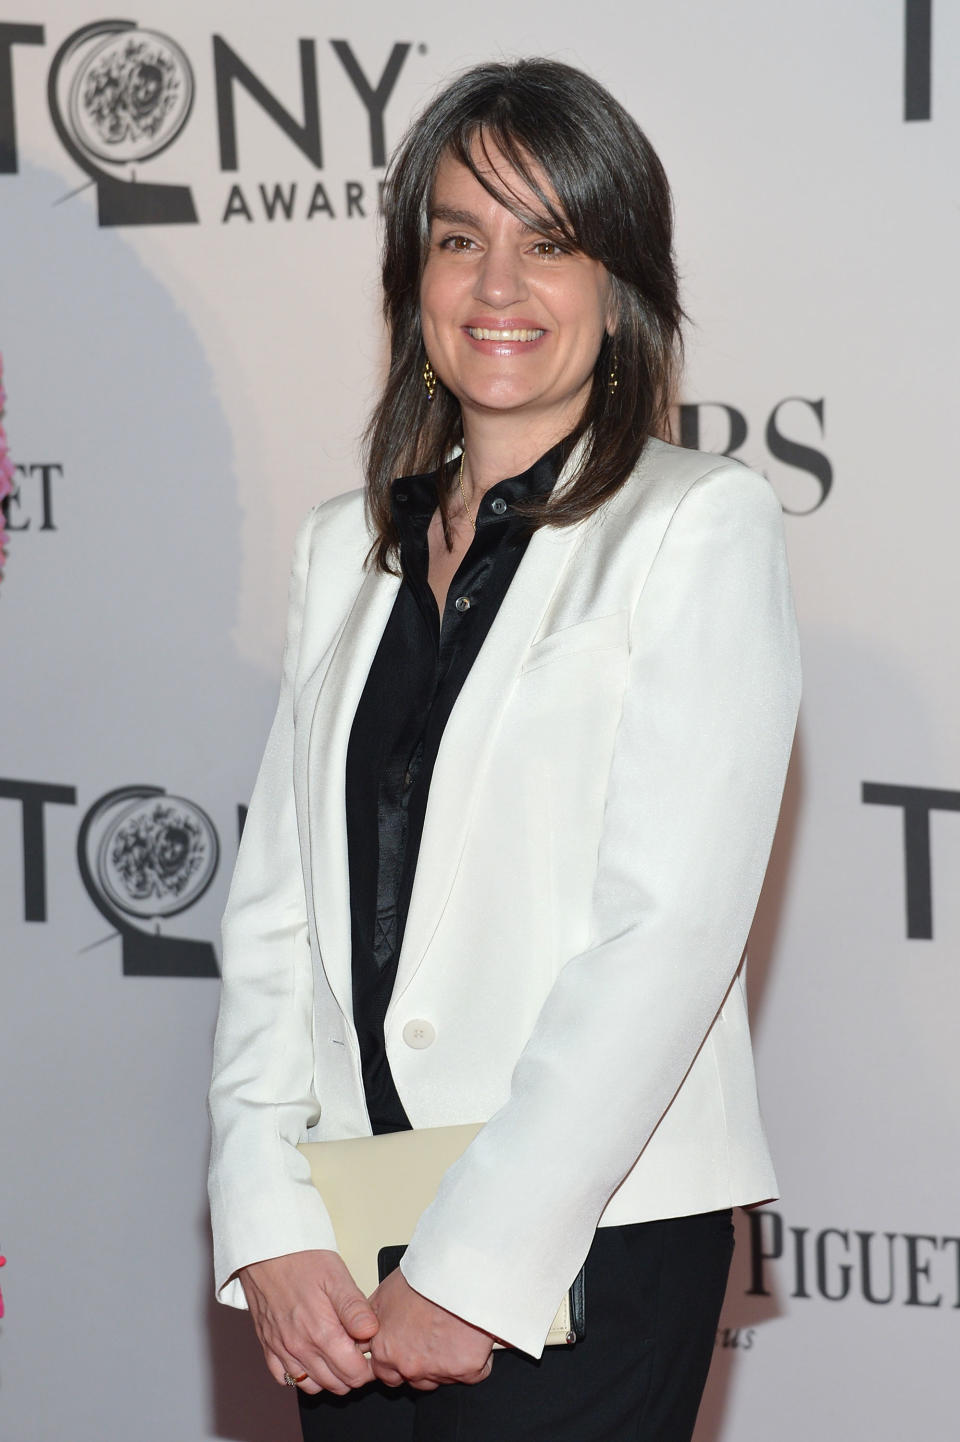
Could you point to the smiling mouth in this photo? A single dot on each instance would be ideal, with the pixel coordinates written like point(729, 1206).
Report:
point(479, 333)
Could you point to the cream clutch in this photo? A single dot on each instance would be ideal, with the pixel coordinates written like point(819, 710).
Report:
point(375, 1189)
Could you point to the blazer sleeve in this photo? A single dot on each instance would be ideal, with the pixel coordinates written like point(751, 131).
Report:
point(262, 1099)
point(695, 785)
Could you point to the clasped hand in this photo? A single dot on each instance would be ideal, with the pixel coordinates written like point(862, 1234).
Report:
point(423, 1344)
point(311, 1317)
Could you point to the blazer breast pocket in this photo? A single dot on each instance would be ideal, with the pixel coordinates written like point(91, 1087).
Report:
point(595, 634)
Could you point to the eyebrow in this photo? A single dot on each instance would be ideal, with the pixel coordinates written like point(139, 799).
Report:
point(453, 217)
point(450, 216)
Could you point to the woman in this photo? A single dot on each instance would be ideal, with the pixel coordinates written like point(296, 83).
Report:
point(507, 840)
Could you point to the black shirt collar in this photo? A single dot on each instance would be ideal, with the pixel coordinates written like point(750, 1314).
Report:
point(413, 499)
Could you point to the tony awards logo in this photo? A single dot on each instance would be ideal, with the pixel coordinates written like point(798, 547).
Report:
point(118, 97)
point(144, 857)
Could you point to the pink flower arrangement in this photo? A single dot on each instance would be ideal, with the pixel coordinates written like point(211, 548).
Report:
point(6, 475)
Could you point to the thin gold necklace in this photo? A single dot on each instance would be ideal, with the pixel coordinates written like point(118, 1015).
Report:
point(463, 496)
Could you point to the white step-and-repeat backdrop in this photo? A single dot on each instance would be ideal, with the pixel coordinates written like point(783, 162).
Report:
point(190, 330)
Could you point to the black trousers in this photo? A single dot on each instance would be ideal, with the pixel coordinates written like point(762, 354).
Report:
point(653, 1296)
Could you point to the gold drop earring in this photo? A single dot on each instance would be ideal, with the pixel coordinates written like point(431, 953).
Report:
point(429, 379)
point(614, 379)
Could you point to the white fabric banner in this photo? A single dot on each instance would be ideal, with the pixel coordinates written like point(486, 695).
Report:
point(189, 321)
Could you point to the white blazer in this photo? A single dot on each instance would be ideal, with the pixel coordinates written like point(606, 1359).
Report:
point(599, 822)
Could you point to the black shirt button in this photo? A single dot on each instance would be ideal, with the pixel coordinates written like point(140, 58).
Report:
point(400, 496)
point(462, 603)
point(499, 506)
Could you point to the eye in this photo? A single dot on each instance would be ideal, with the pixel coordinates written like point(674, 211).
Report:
point(550, 249)
point(456, 243)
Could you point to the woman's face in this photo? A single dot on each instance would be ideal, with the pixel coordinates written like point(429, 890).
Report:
point(512, 321)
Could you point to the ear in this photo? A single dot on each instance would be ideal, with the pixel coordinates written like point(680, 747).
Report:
point(612, 312)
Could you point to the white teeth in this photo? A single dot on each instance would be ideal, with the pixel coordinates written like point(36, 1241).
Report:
point(483, 334)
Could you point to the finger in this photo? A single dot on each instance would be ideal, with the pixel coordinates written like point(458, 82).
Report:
point(276, 1367)
point(319, 1377)
point(323, 1380)
point(280, 1371)
point(341, 1359)
point(347, 1359)
point(328, 1381)
point(385, 1366)
point(328, 1353)
point(483, 1374)
point(414, 1374)
point(359, 1320)
point(357, 1317)
point(388, 1375)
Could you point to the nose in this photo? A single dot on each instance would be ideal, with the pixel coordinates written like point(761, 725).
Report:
point(500, 278)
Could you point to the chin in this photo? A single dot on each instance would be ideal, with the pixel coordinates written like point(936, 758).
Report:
point(499, 397)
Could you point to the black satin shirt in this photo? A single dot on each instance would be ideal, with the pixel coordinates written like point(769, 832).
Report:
point(413, 683)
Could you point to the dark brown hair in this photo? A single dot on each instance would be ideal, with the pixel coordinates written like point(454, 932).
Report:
point(614, 205)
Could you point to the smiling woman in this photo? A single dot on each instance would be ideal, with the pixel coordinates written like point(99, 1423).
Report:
point(499, 867)
point(564, 179)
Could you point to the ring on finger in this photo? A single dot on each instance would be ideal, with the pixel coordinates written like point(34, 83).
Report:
point(291, 1381)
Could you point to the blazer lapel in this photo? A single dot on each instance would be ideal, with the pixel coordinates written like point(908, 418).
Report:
point(337, 697)
point(470, 733)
